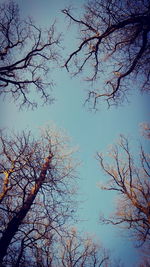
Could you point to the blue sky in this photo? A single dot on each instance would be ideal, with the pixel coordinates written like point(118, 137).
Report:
point(90, 131)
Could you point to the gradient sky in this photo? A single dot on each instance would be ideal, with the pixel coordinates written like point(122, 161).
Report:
point(92, 132)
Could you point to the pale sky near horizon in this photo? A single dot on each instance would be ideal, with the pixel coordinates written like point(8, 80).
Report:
point(92, 132)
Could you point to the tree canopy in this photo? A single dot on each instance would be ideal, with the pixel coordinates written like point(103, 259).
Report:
point(37, 173)
point(114, 48)
point(26, 54)
point(130, 178)
point(36, 177)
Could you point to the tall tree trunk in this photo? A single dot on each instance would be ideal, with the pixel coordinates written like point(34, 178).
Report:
point(16, 221)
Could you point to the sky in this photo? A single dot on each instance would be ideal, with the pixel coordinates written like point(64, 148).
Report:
point(91, 131)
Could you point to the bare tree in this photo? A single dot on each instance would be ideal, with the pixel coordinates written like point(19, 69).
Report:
point(36, 178)
point(78, 251)
point(114, 48)
point(130, 178)
point(26, 55)
point(74, 250)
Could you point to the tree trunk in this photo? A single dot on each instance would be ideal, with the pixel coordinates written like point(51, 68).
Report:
point(16, 221)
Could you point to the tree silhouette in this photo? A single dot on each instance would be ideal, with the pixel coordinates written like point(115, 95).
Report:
point(36, 195)
point(26, 54)
point(114, 48)
point(78, 251)
point(130, 178)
